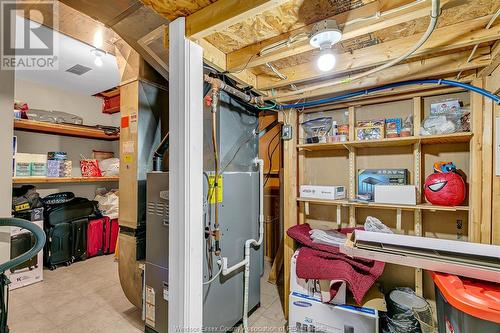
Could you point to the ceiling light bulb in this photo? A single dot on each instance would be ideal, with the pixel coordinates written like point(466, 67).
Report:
point(98, 61)
point(326, 61)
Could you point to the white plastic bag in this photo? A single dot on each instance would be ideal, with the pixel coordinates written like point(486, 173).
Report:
point(108, 204)
point(110, 167)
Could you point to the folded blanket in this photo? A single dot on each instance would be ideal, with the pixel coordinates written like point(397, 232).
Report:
point(324, 262)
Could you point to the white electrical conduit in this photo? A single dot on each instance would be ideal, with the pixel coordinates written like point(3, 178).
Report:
point(246, 261)
point(435, 12)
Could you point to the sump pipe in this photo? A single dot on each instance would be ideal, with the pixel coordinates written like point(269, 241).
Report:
point(451, 83)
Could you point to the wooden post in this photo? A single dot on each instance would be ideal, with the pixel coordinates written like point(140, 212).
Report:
point(185, 274)
point(289, 200)
point(352, 165)
point(476, 165)
point(487, 177)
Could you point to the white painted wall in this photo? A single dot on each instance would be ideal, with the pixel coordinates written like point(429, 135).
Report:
point(6, 129)
point(88, 107)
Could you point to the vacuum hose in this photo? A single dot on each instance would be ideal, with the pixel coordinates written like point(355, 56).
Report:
point(39, 241)
point(4, 281)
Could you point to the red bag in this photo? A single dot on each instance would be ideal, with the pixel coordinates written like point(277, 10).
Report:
point(111, 229)
point(90, 168)
point(95, 237)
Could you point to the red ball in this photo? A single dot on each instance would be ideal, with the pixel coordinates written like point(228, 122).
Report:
point(445, 189)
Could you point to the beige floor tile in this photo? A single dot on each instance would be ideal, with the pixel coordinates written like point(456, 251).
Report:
point(87, 298)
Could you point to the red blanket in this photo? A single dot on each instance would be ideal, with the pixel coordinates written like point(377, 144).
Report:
point(324, 262)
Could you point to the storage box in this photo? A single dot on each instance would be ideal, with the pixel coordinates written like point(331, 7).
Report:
point(396, 194)
point(307, 314)
point(317, 289)
point(323, 192)
point(59, 168)
point(368, 178)
point(31, 271)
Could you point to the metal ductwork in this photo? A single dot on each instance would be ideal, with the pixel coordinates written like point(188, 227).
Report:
point(138, 25)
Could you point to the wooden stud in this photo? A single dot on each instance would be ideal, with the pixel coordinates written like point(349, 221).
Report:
point(352, 165)
point(277, 265)
point(398, 219)
point(487, 171)
point(476, 164)
point(289, 201)
point(339, 216)
point(453, 37)
point(224, 13)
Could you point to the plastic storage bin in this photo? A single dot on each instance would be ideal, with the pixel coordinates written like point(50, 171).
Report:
point(466, 305)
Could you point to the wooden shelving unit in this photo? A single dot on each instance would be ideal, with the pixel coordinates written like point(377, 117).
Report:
point(63, 129)
point(338, 163)
point(52, 180)
point(390, 142)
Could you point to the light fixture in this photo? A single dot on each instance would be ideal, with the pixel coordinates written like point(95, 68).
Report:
point(98, 54)
point(323, 36)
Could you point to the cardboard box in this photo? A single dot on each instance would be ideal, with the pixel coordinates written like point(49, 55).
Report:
point(317, 289)
point(396, 194)
point(31, 271)
point(368, 178)
point(323, 192)
point(307, 314)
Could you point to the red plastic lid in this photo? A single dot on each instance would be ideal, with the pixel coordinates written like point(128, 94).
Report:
point(477, 298)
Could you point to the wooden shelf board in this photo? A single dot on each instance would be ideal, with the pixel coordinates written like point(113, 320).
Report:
point(46, 180)
point(324, 146)
point(374, 205)
point(391, 142)
point(63, 129)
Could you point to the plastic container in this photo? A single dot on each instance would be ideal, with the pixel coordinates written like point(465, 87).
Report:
point(317, 129)
point(466, 305)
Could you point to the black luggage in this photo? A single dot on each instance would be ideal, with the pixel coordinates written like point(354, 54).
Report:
point(75, 209)
point(20, 244)
point(79, 239)
point(58, 249)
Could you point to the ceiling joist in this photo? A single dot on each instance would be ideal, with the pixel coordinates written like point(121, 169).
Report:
point(458, 36)
point(224, 13)
point(432, 67)
point(249, 56)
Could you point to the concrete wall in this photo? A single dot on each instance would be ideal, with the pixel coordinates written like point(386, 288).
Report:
point(88, 107)
point(6, 129)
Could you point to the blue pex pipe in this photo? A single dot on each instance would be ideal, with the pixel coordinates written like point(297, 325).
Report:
point(466, 86)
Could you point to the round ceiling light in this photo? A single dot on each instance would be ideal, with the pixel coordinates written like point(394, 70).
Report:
point(325, 34)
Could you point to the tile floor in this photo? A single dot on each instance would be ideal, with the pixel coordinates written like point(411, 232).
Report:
point(87, 298)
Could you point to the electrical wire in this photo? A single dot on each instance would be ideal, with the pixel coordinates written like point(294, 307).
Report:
point(270, 156)
point(215, 276)
point(466, 86)
point(238, 71)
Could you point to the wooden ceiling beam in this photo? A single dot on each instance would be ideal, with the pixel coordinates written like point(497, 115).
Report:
point(249, 54)
point(495, 61)
point(432, 67)
point(462, 35)
point(215, 58)
point(224, 13)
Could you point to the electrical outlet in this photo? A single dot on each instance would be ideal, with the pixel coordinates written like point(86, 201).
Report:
point(286, 132)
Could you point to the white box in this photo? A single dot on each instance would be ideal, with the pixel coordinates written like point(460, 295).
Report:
point(27, 275)
point(307, 314)
point(323, 192)
point(396, 194)
point(317, 289)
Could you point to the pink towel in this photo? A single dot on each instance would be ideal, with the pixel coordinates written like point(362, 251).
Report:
point(324, 262)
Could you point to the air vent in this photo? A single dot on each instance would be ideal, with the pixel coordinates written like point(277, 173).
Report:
point(79, 69)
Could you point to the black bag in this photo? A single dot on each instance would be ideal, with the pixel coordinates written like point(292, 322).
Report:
point(58, 245)
point(20, 244)
point(75, 209)
point(58, 198)
point(79, 239)
point(25, 198)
